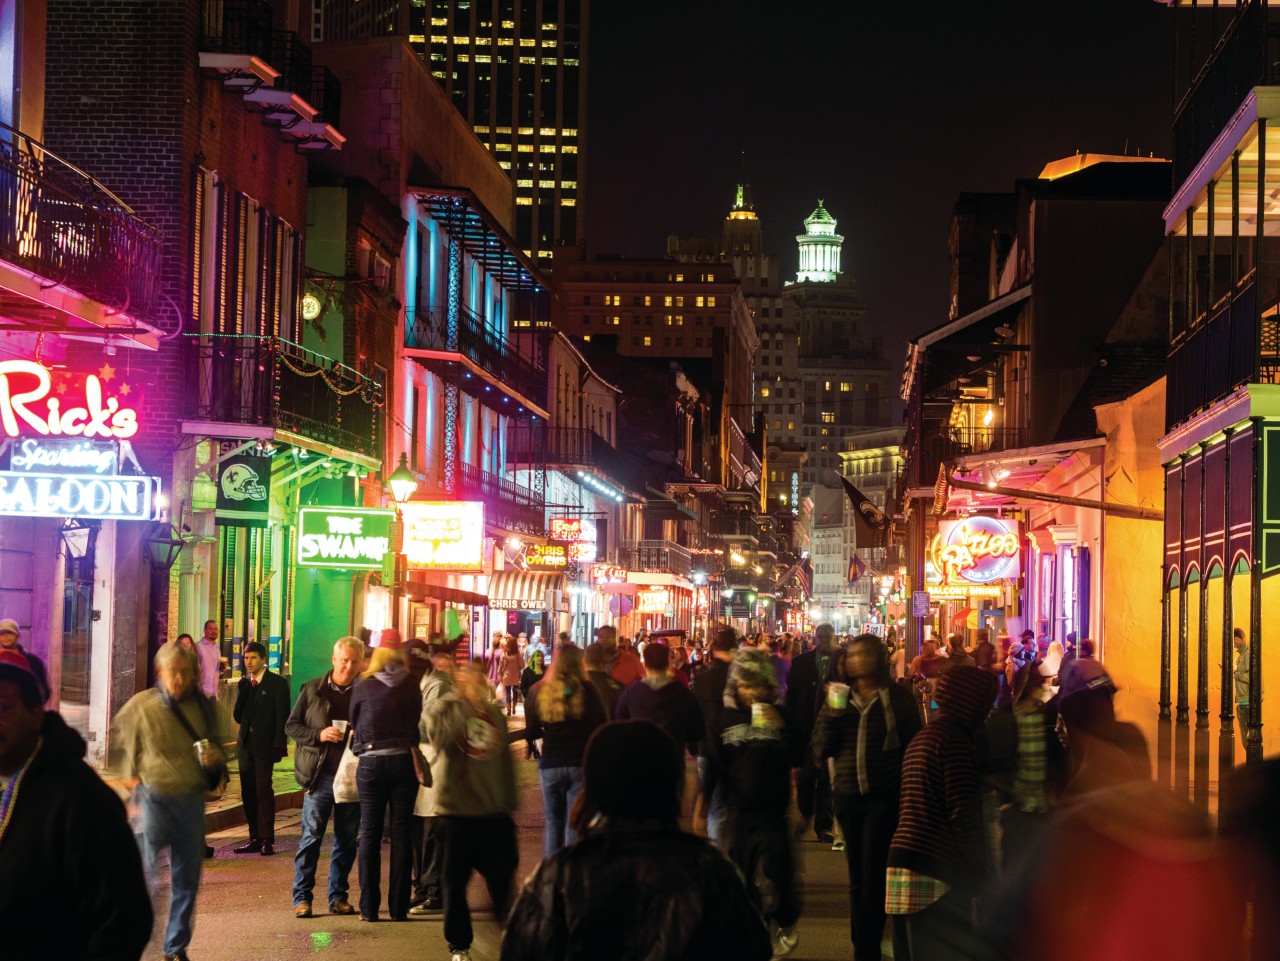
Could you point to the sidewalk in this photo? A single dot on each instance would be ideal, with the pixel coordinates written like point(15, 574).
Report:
point(228, 811)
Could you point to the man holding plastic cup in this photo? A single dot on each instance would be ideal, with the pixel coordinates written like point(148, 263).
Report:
point(318, 724)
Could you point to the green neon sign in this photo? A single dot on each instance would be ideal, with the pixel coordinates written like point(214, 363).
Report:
point(344, 537)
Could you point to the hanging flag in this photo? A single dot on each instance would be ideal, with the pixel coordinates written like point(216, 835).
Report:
point(870, 522)
point(856, 569)
point(244, 491)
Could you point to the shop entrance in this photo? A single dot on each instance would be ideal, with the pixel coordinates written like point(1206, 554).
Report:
point(79, 542)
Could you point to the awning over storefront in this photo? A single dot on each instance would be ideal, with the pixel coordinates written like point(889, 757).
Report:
point(425, 584)
point(527, 591)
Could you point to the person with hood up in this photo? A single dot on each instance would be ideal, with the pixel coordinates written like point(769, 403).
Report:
point(71, 883)
point(635, 887)
point(385, 707)
point(937, 856)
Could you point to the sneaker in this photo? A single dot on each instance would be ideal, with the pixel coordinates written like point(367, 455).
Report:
point(460, 956)
point(826, 837)
point(785, 941)
point(837, 844)
point(429, 906)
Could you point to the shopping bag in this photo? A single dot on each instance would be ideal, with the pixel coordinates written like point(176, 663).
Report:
point(345, 790)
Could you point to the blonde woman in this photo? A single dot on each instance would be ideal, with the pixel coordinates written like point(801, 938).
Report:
point(563, 709)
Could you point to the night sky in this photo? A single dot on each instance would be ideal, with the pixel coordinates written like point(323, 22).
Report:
point(886, 110)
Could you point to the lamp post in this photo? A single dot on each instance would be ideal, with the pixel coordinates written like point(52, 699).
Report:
point(163, 546)
point(402, 484)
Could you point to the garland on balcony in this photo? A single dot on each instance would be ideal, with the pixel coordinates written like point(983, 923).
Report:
point(321, 372)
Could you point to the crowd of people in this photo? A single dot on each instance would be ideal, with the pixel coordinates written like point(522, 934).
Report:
point(988, 801)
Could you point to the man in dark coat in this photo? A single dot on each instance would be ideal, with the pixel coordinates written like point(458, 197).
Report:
point(319, 725)
point(806, 688)
point(262, 708)
point(71, 882)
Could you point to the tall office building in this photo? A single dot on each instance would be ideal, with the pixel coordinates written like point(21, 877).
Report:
point(517, 70)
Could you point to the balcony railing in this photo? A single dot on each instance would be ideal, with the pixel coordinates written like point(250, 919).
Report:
point(1220, 355)
point(508, 505)
point(244, 27)
point(566, 447)
point(657, 556)
point(60, 224)
point(428, 328)
point(270, 382)
point(1246, 57)
point(948, 443)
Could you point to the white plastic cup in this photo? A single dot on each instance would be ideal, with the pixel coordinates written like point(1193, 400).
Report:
point(837, 696)
point(341, 726)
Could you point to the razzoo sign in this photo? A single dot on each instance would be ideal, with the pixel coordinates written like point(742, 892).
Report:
point(28, 404)
point(344, 537)
point(978, 550)
point(444, 535)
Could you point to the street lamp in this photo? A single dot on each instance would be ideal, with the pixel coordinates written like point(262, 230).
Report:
point(402, 484)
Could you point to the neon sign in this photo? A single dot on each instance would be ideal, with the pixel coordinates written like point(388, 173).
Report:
point(344, 537)
point(979, 550)
point(580, 535)
point(444, 535)
point(27, 402)
point(116, 498)
point(653, 601)
point(554, 555)
point(64, 456)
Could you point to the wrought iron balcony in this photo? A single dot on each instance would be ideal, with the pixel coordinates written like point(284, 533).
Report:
point(1247, 56)
point(1225, 351)
point(566, 447)
point(658, 556)
point(271, 382)
point(485, 346)
point(508, 505)
point(60, 224)
point(945, 443)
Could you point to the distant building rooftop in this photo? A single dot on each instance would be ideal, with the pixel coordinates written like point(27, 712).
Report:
point(1077, 162)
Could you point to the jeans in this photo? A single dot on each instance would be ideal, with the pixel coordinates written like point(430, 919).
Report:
point(317, 806)
point(760, 845)
point(259, 796)
point(382, 780)
point(813, 794)
point(715, 808)
point(175, 822)
point(867, 822)
point(560, 789)
point(943, 931)
point(426, 859)
point(486, 844)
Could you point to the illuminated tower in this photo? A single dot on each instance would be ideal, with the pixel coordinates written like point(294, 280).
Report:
point(819, 248)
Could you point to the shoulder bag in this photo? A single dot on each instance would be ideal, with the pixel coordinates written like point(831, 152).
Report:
point(216, 775)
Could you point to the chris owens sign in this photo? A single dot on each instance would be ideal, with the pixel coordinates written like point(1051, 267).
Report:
point(978, 550)
point(68, 478)
point(344, 537)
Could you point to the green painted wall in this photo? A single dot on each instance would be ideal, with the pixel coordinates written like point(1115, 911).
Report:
point(321, 615)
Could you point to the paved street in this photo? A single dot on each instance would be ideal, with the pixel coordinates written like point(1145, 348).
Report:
point(245, 908)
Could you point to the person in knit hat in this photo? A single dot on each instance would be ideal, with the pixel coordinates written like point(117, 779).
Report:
point(635, 887)
point(755, 744)
point(71, 882)
point(9, 642)
point(937, 856)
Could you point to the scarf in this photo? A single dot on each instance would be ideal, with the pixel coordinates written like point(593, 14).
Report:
point(891, 741)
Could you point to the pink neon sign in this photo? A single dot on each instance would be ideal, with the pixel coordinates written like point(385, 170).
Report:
point(28, 402)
